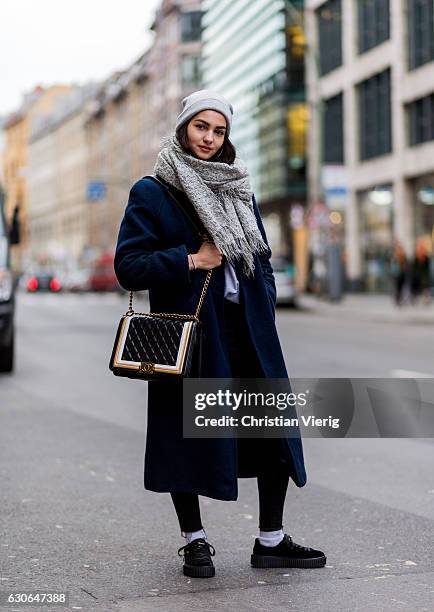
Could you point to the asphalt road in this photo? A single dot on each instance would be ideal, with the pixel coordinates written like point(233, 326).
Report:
point(75, 516)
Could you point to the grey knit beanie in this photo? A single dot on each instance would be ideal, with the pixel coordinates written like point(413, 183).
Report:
point(205, 99)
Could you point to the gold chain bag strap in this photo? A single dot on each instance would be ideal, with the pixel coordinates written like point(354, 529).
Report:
point(163, 345)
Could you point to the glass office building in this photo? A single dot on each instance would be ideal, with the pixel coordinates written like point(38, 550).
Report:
point(253, 53)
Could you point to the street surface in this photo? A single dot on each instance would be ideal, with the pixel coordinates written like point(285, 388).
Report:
point(75, 515)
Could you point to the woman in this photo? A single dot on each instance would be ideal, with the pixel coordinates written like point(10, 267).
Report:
point(158, 249)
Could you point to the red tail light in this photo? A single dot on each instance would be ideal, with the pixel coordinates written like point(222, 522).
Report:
point(55, 284)
point(32, 284)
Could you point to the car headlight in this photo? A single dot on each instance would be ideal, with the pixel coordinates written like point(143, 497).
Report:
point(6, 283)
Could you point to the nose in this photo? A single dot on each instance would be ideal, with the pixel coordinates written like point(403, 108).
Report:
point(208, 138)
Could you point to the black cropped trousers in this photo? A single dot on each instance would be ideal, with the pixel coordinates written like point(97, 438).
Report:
point(273, 477)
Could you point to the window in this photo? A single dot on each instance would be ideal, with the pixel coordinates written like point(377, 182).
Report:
point(421, 120)
point(375, 116)
point(422, 189)
point(191, 73)
point(376, 235)
point(329, 19)
point(333, 130)
point(191, 26)
point(296, 44)
point(420, 32)
point(373, 23)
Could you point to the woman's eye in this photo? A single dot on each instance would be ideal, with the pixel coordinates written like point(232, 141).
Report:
point(203, 127)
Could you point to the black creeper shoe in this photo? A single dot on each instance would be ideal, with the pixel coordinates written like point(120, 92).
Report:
point(286, 554)
point(197, 559)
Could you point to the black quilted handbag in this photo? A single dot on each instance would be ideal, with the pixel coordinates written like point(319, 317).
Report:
point(159, 346)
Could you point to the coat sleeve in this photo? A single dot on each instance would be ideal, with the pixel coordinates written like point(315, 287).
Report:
point(267, 270)
point(140, 263)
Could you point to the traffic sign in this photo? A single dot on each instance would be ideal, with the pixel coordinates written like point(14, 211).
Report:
point(96, 191)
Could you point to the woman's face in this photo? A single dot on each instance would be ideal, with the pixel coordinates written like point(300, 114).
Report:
point(206, 133)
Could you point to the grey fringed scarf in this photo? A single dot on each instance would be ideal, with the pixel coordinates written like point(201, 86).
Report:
point(222, 197)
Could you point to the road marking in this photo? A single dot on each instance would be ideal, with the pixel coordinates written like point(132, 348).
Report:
point(410, 374)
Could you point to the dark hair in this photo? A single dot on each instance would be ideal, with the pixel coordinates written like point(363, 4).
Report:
point(226, 154)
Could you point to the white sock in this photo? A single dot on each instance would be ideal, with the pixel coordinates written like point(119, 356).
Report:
point(193, 535)
point(270, 538)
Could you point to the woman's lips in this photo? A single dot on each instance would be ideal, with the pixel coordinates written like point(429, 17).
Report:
point(204, 148)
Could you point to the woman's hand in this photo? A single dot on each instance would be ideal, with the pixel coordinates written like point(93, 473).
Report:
point(207, 257)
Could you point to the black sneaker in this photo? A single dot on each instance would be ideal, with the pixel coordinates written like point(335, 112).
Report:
point(286, 554)
point(197, 559)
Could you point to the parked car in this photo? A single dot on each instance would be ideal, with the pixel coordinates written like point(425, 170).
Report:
point(43, 281)
point(284, 275)
point(102, 276)
point(7, 301)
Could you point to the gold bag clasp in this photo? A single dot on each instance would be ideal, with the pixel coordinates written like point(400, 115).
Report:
point(147, 367)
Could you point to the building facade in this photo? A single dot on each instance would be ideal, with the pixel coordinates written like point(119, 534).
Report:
point(83, 162)
point(57, 214)
point(174, 67)
point(134, 110)
point(370, 81)
point(117, 150)
point(17, 128)
point(254, 55)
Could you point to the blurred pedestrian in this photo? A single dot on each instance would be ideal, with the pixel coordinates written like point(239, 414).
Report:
point(159, 250)
point(15, 227)
point(421, 272)
point(399, 272)
point(335, 269)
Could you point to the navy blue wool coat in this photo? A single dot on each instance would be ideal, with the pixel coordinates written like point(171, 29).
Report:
point(154, 240)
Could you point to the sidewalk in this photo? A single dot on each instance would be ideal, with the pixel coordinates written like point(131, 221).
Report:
point(368, 307)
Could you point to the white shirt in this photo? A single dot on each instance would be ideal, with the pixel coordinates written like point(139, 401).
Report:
point(232, 285)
